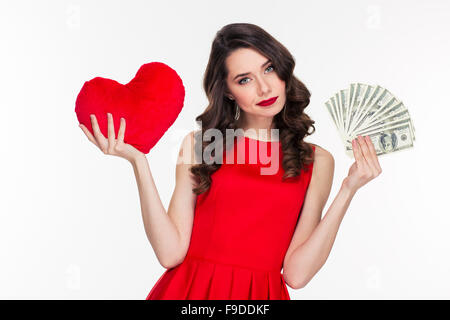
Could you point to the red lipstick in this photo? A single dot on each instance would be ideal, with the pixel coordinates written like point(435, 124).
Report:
point(267, 102)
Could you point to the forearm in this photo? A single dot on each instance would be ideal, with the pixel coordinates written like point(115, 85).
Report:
point(160, 230)
point(307, 259)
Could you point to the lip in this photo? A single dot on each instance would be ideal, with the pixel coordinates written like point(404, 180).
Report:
point(267, 102)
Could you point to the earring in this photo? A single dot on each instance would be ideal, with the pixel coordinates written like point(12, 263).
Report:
point(238, 112)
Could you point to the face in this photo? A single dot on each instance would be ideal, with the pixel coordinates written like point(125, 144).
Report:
point(259, 82)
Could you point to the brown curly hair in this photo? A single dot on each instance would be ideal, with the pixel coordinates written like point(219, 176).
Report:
point(293, 124)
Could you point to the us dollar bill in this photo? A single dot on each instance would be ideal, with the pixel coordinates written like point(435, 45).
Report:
point(386, 123)
point(360, 93)
point(375, 93)
point(343, 101)
point(363, 109)
point(389, 140)
point(379, 103)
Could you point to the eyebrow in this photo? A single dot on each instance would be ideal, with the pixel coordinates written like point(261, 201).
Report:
point(244, 74)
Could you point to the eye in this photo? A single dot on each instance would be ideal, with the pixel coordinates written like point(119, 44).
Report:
point(270, 67)
point(240, 81)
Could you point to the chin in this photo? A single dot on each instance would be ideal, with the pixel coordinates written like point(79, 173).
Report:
point(270, 109)
point(269, 113)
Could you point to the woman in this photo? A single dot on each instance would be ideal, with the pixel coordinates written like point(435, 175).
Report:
point(230, 230)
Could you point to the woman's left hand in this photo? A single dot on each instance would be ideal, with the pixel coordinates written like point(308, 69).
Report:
point(366, 166)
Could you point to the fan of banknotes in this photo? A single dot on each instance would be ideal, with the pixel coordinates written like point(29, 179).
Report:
point(372, 111)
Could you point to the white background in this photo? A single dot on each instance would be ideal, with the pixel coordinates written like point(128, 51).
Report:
point(70, 220)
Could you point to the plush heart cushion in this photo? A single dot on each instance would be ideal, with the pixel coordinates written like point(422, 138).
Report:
point(150, 104)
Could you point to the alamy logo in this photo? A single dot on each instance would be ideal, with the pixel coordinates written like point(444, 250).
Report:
point(258, 146)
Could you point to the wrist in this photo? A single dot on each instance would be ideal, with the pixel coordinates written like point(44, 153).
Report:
point(347, 189)
point(137, 158)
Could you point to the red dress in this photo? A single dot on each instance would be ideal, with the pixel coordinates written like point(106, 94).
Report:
point(242, 229)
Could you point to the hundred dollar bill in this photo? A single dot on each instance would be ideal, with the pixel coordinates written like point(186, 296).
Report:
point(338, 107)
point(391, 117)
point(379, 109)
point(388, 126)
point(343, 101)
point(350, 102)
point(363, 109)
point(360, 107)
point(330, 105)
point(368, 100)
point(391, 113)
point(413, 130)
point(390, 140)
point(392, 107)
point(356, 102)
point(384, 99)
point(332, 112)
point(401, 117)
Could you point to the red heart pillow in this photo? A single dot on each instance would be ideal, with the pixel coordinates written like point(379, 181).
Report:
point(150, 104)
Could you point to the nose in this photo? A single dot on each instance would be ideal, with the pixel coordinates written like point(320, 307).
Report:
point(263, 87)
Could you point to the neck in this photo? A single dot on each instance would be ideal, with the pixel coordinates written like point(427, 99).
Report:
point(257, 127)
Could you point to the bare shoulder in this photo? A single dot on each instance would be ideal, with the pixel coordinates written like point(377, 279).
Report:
point(186, 156)
point(321, 180)
point(323, 167)
point(322, 157)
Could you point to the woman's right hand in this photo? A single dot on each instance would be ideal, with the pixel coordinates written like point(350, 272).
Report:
point(366, 166)
point(111, 145)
